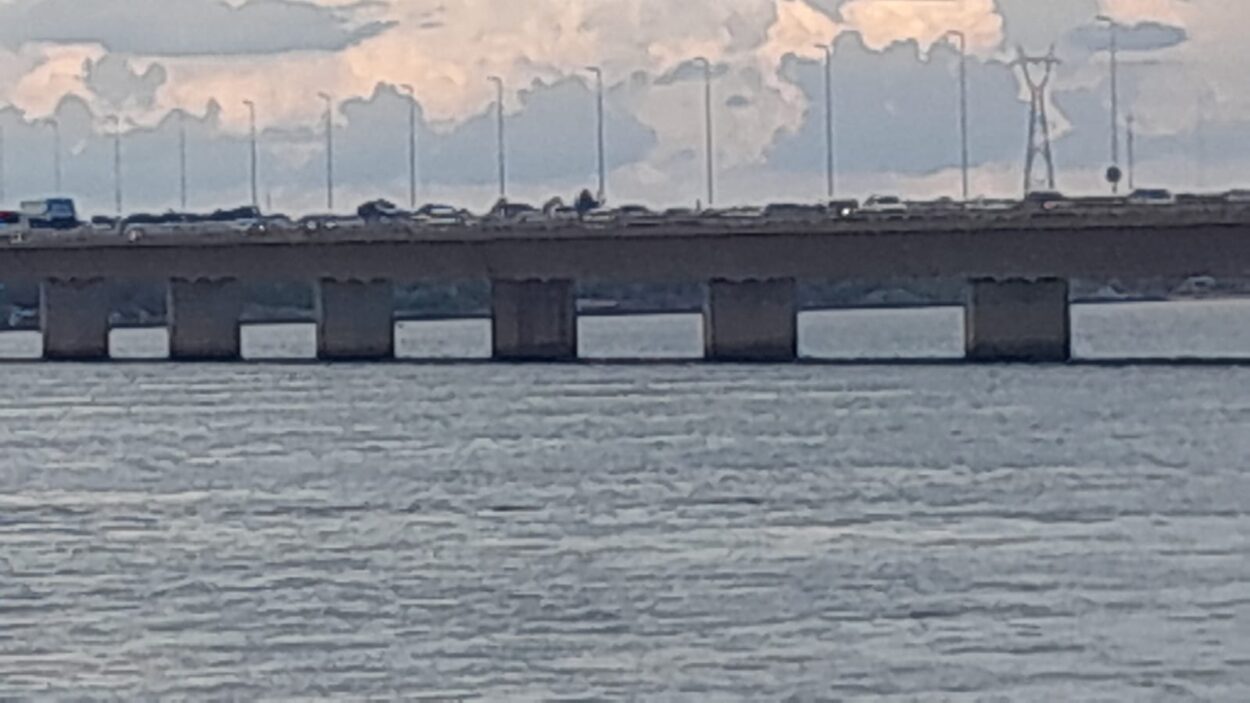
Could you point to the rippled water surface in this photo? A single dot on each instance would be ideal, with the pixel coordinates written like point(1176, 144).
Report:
point(637, 532)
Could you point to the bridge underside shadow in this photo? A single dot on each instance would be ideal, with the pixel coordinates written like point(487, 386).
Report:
point(1014, 320)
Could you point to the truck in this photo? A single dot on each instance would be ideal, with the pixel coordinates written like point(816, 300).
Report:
point(51, 213)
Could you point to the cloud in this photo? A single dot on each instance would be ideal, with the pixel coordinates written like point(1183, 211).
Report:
point(904, 121)
point(895, 69)
point(1036, 25)
point(187, 27)
point(1147, 36)
point(114, 80)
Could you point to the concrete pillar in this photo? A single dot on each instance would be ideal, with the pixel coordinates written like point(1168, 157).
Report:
point(1018, 320)
point(355, 320)
point(203, 319)
point(751, 321)
point(74, 316)
point(534, 320)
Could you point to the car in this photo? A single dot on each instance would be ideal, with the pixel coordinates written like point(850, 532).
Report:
point(507, 213)
point(681, 216)
point(439, 216)
point(104, 223)
point(1046, 201)
point(377, 211)
point(884, 205)
point(142, 225)
point(556, 212)
point(637, 216)
point(991, 205)
point(735, 215)
point(1151, 197)
point(794, 212)
point(839, 209)
point(1239, 196)
point(12, 225)
point(599, 217)
point(323, 223)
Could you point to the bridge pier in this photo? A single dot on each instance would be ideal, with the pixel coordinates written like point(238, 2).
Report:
point(74, 318)
point(751, 321)
point(203, 318)
point(355, 320)
point(534, 320)
point(1018, 320)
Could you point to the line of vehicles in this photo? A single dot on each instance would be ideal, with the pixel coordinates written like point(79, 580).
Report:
point(55, 215)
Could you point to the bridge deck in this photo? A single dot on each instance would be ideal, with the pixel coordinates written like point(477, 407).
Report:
point(1136, 243)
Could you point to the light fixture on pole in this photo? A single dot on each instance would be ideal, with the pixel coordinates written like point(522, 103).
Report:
point(503, 144)
point(1113, 172)
point(709, 137)
point(602, 161)
point(255, 153)
point(411, 92)
point(329, 149)
point(831, 164)
point(963, 107)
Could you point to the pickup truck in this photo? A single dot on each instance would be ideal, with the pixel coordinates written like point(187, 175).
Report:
point(51, 213)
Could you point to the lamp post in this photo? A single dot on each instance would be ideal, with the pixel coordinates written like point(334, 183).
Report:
point(1114, 171)
point(502, 145)
point(117, 162)
point(55, 124)
point(3, 195)
point(182, 160)
point(963, 107)
point(602, 161)
point(255, 154)
point(329, 150)
point(831, 168)
point(412, 144)
point(709, 137)
point(1130, 138)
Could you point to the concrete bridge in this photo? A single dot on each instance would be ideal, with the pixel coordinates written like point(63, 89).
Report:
point(1017, 272)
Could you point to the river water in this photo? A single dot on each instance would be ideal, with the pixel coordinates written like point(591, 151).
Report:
point(678, 532)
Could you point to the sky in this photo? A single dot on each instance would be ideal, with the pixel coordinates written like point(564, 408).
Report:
point(156, 67)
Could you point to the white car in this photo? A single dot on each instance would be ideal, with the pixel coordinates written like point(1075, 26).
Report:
point(884, 205)
point(600, 216)
point(439, 216)
point(735, 215)
point(991, 205)
point(12, 225)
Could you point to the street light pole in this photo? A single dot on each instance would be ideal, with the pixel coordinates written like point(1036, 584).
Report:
point(182, 159)
point(709, 138)
point(412, 144)
point(3, 195)
point(251, 110)
point(963, 108)
point(831, 169)
point(56, 152)
point(117, 162)
point(503, 144)
point(1132, 165)
point(329, 150)
point(1113, 27)
point(602, 162)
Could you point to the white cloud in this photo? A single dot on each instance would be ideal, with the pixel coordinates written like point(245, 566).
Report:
point(447, 49)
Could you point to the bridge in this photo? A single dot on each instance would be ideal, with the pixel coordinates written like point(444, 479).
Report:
point(1017, 270)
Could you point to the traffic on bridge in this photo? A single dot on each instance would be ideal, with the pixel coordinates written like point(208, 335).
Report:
point(55, 221)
